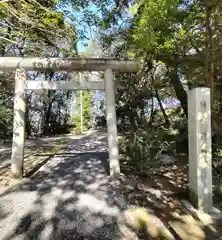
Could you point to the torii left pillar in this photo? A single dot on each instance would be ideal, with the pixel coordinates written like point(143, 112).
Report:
point(17, 158)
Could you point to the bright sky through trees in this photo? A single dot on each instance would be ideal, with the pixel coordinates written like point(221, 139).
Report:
point(85, 28)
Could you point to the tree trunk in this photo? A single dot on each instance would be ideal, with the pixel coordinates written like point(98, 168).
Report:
point(180, 91)
point(211, 70)
point(132, 118)
point(151, 113)
point(162, 108)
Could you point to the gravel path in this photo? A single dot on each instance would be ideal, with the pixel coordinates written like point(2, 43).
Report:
point(71, 197)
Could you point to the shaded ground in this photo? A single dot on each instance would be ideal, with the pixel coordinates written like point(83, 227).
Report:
point(68, 198)
point(165, 188)
point(72, 197)
point(37, 151)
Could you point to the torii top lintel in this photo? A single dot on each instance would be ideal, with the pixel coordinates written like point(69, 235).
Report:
point(68, 64)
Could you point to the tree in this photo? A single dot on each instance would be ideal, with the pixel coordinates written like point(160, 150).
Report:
point(185, 36)
point(29, 28)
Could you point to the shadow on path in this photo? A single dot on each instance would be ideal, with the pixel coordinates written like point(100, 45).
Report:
point(71, 197)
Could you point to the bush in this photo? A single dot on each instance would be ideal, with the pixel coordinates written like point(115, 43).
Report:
point(6, 121)
point(76, 120)
point(143, 148)
point(217, 145)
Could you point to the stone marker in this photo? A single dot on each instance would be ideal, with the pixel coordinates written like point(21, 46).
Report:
point(199, 128)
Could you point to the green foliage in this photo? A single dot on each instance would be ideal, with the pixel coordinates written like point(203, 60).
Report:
point(76, 120)
point(144, 145)
point(87, 112)
point(5, 120)
point(6, 103)
point(217, 145)
point(87, 109)
point(37, 24)
point(155, 27)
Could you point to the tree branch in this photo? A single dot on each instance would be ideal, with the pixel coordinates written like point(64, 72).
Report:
point(6, 39)
point(194, 46)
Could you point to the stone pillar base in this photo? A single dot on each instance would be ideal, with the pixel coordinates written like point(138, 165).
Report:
point(205, 218)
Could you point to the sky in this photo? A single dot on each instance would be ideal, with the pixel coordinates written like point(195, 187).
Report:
point(81, 25)
point(80, 22)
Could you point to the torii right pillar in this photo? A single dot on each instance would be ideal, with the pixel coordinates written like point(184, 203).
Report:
point(114, 165)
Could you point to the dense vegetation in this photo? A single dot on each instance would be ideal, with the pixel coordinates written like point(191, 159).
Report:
point(179, 44)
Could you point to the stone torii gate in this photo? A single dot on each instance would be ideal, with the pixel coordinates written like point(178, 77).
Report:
point(69, 65)
point(199, 116)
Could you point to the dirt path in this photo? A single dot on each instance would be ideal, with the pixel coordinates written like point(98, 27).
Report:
point(37, 152)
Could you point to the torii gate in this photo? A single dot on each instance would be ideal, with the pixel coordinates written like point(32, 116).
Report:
point(199, 115)
point(69, 65)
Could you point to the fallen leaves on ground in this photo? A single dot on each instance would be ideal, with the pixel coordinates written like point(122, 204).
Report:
point(37, 151)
